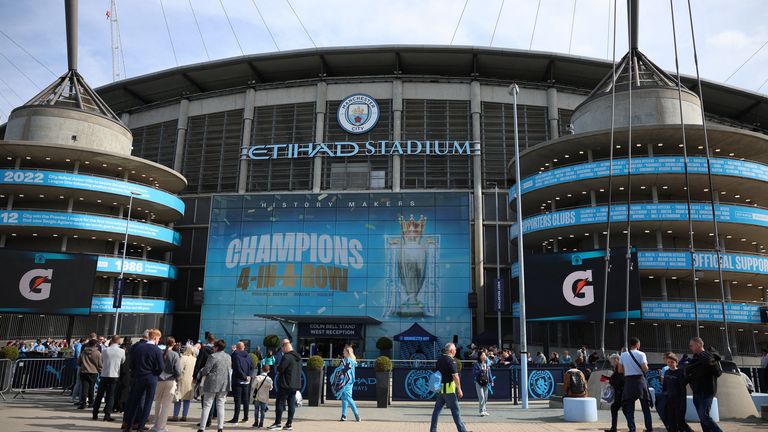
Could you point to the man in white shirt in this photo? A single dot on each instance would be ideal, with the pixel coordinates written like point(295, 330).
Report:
point(112, 358)
point(633, 365)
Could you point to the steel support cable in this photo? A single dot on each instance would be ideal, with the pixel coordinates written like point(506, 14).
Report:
point(274, 41)
point(535, 20)
point(746, 61)
point(718, 249)
point(19, 70)
point(12, 90)
point(231, 27)
point(691, 247)
point(762, 85)
point(501, 8)
point(301, 23)
point(610, 190)
point(629, 179)
point(573, 22)
point(27, 52)
point(200, 32)
point(459, 21)
point(168, 29)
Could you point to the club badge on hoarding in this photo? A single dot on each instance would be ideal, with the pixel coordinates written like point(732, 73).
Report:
point(358, 113)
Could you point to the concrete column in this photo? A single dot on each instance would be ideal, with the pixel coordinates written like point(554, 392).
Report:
point(727, 286)
point(320, 108)
point(397, 129)
point(552, 113)
point(250, 102)
point(593, 203)
point(181, 134)
point(765, 296)
point(71, 206)
point(477, 182)
point(650, 150)
point(125, 118)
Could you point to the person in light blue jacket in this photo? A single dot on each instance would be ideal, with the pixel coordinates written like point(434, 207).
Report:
point(343, 380)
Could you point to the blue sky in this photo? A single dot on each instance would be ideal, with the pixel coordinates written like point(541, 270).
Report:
point(727, 33)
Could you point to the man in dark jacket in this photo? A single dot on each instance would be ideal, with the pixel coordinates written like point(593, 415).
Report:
point(288, 383)
point(205, 351)
point(242, 367)
point(702, 373)
point(146, 365)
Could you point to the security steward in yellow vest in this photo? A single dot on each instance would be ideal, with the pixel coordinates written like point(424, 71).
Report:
point(450, 389)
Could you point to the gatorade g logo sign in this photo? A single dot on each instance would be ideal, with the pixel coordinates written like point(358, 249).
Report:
point(36, 284)
point(578, 289)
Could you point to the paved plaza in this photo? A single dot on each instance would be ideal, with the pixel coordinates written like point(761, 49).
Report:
point(42, 412)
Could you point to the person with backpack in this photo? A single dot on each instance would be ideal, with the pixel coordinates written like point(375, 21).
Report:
point(449, 391)
point(575, 382)
point(262, 386)
point(702, 374)
point(634, 364)
point(481, 373)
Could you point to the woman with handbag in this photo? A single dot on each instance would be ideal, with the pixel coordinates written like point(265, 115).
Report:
point(186, 385)
point(616, 381)
point(634, 365)
point(481, 372)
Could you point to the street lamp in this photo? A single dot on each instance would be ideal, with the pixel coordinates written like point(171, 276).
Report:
point(514, 90)
point(498, 284)
point(119, 283)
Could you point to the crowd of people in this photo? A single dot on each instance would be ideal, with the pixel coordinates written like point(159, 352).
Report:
point(507, 357)
point(131, 377)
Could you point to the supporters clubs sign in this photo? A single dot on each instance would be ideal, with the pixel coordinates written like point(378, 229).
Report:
point(47, 282)
point(357, 115)
point(570, 286)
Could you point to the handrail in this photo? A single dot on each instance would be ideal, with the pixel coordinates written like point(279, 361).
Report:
point(559, 209)
point(87, 214)
point(118, 179)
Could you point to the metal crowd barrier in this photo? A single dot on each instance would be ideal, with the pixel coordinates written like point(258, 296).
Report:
point(6, 372)
point(42, 374)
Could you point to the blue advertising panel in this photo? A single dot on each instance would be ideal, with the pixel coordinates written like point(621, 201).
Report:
point(88, 182)
point(708, 311)
point(396, 258)
point(132, 305)
point(364, 387)
point(411, 384)
point(640, 166)
point(643, 212)
point(80, 221)
point(707, 261)
point(136, 267)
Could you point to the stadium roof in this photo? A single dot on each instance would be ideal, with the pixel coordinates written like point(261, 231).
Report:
point(465, 62)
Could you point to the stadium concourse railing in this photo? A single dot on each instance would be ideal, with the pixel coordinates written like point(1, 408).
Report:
point(30, 374)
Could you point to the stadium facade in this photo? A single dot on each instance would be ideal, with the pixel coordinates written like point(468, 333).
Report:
point(343, 194)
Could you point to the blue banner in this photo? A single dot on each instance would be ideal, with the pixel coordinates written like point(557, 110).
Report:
point(364, 387)
point(641, 166)
point(136, 267)
point(394, 257)
point(707, 261)
point(411, 384)
point(708, 311)
point(643, 212)
point(92, 183)
point(132, 305)
point(87, 222)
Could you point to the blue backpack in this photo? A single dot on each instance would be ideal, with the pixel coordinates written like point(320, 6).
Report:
point(435, 381)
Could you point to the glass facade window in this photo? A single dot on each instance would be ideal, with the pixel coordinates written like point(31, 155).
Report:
point(156, 142)
point(212, 152)
point(362, 171)
point(282, 124)
point(443, 121)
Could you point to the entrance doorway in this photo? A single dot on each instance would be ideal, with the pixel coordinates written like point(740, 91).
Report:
point(329, 348)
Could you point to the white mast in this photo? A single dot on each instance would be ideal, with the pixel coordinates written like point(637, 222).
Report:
point(115, 30)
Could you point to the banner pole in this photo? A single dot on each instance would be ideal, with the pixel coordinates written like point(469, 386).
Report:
point(514, 90)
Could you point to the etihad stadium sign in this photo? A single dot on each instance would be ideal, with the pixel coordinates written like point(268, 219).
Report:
point(369, 148)
point(358, 114)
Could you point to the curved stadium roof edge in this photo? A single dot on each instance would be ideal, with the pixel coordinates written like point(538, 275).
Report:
point(390, 60)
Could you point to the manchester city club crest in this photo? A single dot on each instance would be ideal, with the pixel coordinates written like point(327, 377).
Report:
point(417, 384)
point(541, 384)
point(358, 113)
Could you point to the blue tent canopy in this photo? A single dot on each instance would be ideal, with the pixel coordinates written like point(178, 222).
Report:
point(415, 333)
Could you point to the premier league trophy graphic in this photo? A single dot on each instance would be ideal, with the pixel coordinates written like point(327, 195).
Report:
point(411, 259)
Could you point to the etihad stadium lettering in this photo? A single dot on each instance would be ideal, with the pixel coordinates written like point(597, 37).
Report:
point(369, 148)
